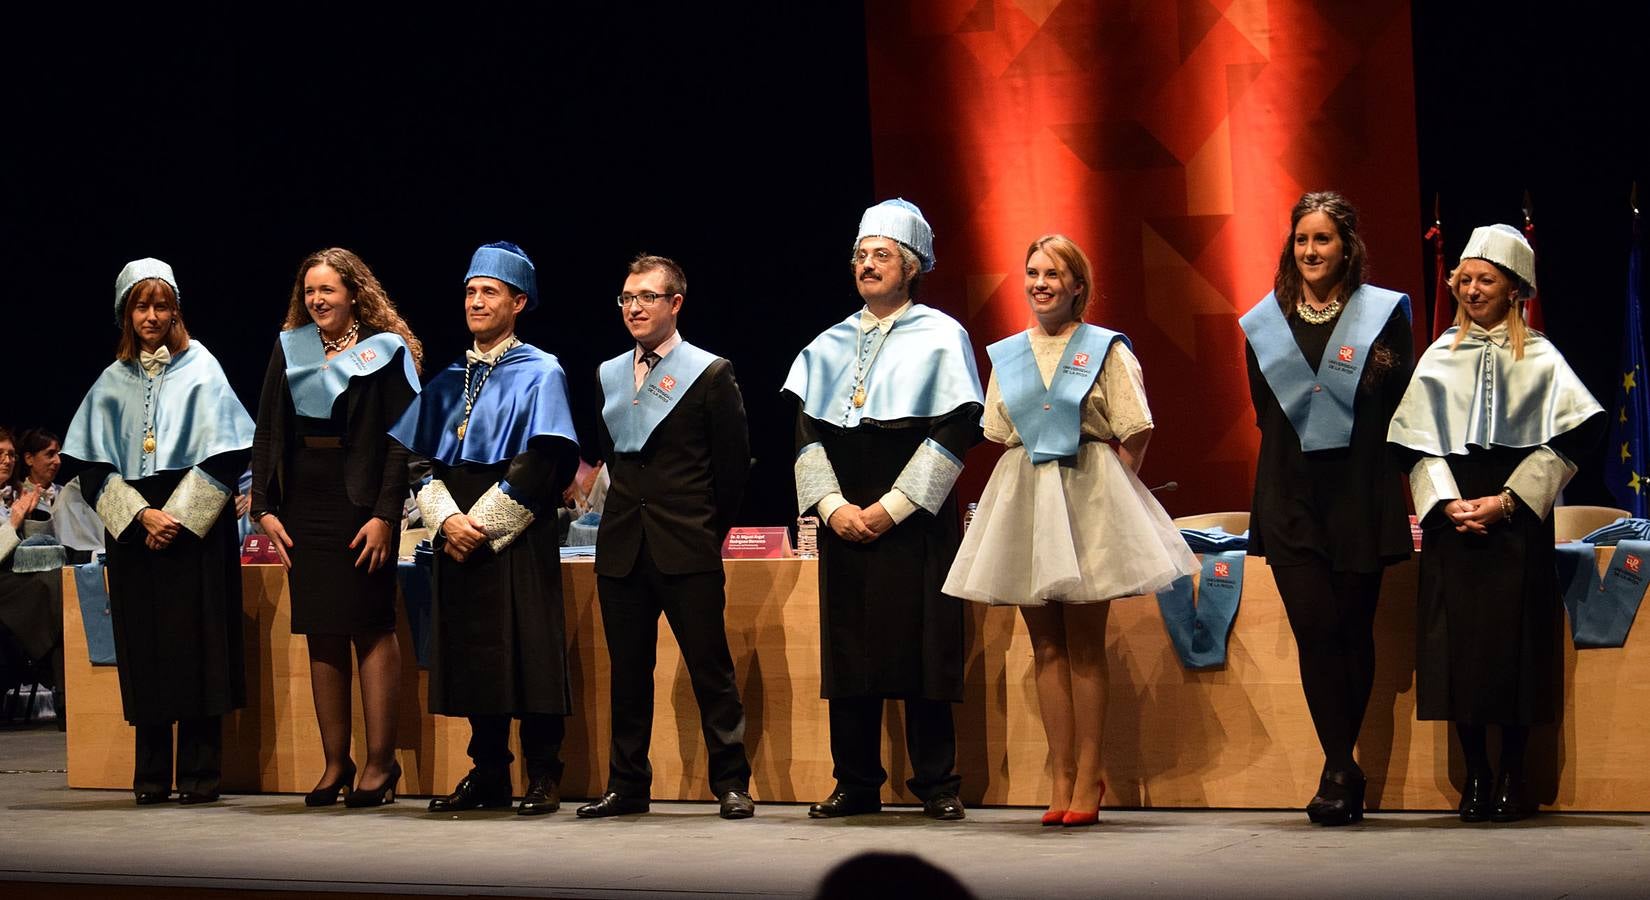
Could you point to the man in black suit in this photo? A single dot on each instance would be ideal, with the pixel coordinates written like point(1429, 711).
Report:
point(672, 433)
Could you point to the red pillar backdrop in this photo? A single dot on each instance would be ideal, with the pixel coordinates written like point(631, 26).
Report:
point(1170, 140)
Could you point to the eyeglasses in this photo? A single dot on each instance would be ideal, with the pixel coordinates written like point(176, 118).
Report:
point(881, 255)
point(8, 454)
point(647, 299)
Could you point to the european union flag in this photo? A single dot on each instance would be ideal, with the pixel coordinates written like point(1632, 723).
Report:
point(1627, 460)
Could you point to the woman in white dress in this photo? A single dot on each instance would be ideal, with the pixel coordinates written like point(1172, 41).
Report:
point(1065, 524)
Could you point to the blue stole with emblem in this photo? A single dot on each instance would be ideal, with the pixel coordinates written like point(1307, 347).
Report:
point(193, 410)
point(1049, 419)
point(1319, 404)
point(1199, 617)
point(1602, 612)
point(316, 382)
point(630, 414)
point(524, 397)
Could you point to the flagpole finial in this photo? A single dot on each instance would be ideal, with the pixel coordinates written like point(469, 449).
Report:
point(1529, 208)
point(1438, 220)
point(1633, 200)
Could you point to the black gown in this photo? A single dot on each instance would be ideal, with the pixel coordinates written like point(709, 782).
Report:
point(886, 630)
point(1490, 619)
point(176, 612)
point(1347, 506)
point(499, 633)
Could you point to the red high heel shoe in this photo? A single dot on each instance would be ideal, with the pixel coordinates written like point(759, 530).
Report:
point(1054, 817)
point(1075, 819)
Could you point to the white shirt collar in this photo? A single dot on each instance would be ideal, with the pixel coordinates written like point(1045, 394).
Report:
point(491, 357)
point(869, 322)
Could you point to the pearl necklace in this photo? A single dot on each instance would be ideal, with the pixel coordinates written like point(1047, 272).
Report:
point(342, 342)
point(1318, 316)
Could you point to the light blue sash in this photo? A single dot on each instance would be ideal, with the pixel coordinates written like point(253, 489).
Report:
point(94, 612)
point(1199, 626)
point(631, 415)
point(1050, 419)
point(1319, 404)
point(1601, 613)
point(316, 382)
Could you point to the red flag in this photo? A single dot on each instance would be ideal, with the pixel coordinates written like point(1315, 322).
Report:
point(1532, 307)
point(1443, 302)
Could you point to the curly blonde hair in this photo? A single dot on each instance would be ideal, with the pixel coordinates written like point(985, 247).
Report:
point(372, 304)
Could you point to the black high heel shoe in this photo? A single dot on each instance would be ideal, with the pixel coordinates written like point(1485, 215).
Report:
point(327, 794)
point(1340, 799)
point(381, 795)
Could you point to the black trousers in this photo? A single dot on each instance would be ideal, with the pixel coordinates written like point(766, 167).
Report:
point(1333, 617)
point(693, 605)
point(930, 740)
point(199, 756)
point(541, 737)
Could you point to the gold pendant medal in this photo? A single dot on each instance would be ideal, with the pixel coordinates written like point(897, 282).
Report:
point(859, 396)
point(149, 442)
point(461, 428)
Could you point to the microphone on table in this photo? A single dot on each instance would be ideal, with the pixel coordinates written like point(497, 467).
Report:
point(1166, 487)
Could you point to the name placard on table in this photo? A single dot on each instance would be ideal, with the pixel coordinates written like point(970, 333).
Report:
point(758, 543)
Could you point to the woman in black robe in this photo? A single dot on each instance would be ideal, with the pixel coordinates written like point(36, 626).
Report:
point(1329, 518)
point(156, 444)
point(1489, 426)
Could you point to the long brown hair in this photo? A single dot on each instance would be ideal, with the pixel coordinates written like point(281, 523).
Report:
point(1286, 284)
point(151, 289)
point(372, 304)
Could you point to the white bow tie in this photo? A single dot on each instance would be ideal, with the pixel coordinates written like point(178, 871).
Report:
point(153, 363)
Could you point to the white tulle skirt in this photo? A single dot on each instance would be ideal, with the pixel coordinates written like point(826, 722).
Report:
point(1080, 533)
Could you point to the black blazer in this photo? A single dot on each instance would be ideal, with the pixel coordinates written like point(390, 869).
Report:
point(682, 490)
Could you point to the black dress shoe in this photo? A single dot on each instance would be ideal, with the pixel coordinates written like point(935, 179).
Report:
point(612, 804)
point(543, 797)
point(944, 806)
point(1342, 799)
point(1511, 803)
point(842, 803)
point(195, 798)
point(1478, 797)
point(382, 795)
point(737, 805)
point(150, 798)
point(476, 791)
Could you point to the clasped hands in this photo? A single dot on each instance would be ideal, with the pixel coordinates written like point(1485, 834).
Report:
point(464, 534)
point(860, 525)
point(1474, 516)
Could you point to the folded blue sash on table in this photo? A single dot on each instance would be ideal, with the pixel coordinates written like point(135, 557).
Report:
point(1602, 610)
point(1199, 620)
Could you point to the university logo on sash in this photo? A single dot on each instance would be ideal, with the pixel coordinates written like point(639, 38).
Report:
point(1345, 353)
point(1633, 563)
point(1223, 569)
point(1081, 360)
point(667, 383)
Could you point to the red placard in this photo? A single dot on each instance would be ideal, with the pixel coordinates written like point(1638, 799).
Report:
point(758, 543)
point(259, 550)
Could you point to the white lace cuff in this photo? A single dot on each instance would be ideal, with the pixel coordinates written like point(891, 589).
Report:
point(815, 479)
point(8, 540)
point(435, 504)
point(118, 504)
point(501, 517)
point(1431, 483)
point(1539, 477)
point(197, 501)
point(928, 477)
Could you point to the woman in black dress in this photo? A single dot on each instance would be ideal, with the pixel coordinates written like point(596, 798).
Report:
point(1329, 357)
point(328, 485)
point(157, 445)
point(1490, 425)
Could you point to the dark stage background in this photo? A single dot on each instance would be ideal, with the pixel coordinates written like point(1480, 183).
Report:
point(737, 139)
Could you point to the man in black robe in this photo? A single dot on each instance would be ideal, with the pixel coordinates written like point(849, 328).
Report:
point(890, 401)
point(496, 428)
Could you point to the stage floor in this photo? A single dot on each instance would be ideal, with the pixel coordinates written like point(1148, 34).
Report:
point(53, 837)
